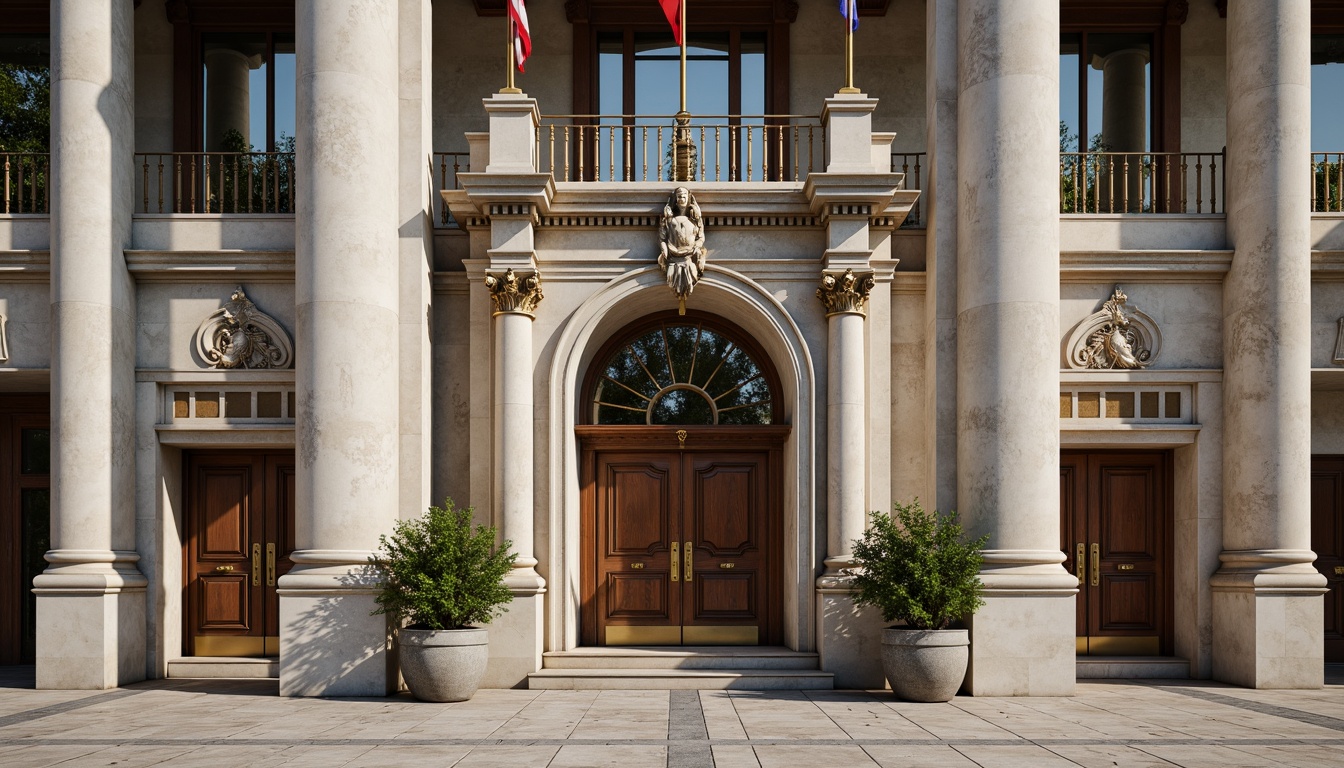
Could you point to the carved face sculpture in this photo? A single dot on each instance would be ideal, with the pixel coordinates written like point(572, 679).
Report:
point(682, 196)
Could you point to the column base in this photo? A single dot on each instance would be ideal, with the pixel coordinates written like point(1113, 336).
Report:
point(330, 643)
point(849, 637)
point(90, 621)
point(1022, 640)
point(516, 636)
point(1268, 620)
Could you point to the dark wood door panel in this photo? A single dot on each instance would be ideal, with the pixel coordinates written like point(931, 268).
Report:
point(1327, 541)
point(638, 504)
point(638, 595)
point(726, 514)
point(25, 516)
point(726, 597)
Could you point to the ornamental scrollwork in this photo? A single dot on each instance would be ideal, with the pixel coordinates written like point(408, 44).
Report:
point(846, 293)
point(1115, 337)
point(513, 294)
point(238, 335)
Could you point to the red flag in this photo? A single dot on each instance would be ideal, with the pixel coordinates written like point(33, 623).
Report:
point(522, 38)
point(672, 9)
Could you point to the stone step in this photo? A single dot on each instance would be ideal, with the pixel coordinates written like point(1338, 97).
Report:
point(1132, 667)
point(681, 657)
point(223, 667)
point(682, 679)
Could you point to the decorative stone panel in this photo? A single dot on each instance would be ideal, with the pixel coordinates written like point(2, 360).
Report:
point(1116, 336)
point(238, 335)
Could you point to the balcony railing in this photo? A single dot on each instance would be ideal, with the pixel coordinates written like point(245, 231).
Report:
point(654, 148)
point(912, 165)
point(1140, 182)
point(25, 182)
point(444, 169)
point(215, 182)
point(1327, 182)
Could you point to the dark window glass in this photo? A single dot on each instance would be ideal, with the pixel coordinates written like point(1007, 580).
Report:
point(249, 88)
point(1327, 85)
point(36, 451)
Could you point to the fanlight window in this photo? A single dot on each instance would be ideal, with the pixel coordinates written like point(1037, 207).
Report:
point(682, 374)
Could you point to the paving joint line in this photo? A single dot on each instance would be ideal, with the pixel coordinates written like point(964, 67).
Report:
point(68, 706)
point(524, 742)
point(1310, 718)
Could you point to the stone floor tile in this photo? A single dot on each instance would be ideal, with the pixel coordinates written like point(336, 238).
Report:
point(507, 757)
point(42, 756)
point(800, 755)
point(198, 757)
point(1022, 720)
point(610, 756)
point(734, 756)
point(721, 718)
point(923, 756)
point(1210, 756)
point(865, 716)
point(553, 715)
point(625, 715)
point(1107, 756)
point(1298, 755)
point(783, 715)
point(948, 722)
point(409, 756)
point(1012, 756)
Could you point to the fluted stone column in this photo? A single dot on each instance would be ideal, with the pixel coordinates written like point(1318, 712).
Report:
point(1267, 605)
point(346, 286)
point(91, 598)
point(1022, 640)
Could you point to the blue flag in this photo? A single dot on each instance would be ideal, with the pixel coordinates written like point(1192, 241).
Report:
point(850, 10)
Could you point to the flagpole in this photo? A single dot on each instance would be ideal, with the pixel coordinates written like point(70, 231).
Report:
point(508, 65)
point(851, 7)
point(683, 56)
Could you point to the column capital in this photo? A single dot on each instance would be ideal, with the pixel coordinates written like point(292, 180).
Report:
point(514, 295)
point(846, 293)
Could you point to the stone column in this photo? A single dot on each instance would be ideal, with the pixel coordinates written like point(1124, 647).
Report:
point(228, 98)
point(1267, 605)
point(1124, 128)
point(1022, 640)
point(346, 290)
point(845, 298)
point(91, 598)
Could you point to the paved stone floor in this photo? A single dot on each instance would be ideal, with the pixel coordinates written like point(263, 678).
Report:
point(244, 723)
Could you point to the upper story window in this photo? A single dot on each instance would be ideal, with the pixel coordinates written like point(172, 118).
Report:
point(1106, 92)
point(247, 82)
point(639, 73)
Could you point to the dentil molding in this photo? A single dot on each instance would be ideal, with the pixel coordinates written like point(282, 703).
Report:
point(513, 295)
point(846, 293)
point(238, 335)
point(1116, 336)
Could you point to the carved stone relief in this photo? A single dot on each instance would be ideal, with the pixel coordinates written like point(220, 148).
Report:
point(845, 293)
point(238, 335)
point(681, 244)
point(512, 294)
point(1116, 336)
point(1339, 344)
point(4, 342)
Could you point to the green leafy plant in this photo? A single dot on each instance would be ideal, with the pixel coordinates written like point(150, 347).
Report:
point(439, 573)
point(914, 566)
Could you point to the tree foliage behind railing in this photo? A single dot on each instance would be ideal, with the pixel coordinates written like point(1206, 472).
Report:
point(218, 182)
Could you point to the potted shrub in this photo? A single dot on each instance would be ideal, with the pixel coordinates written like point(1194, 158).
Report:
point(441, 577)
point(915, 567)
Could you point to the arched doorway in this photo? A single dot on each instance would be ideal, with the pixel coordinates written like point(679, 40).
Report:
point(681, 487)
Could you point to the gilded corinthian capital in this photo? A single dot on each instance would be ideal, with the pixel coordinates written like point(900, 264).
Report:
point(512, 294)
point(845, 293)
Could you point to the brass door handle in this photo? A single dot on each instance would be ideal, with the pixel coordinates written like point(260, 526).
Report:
point(223, 568)
point(1080, 564)
point(1339, 570)
point(676, 561)
point(1096, 564)
point(688, 560)
point(270, 565)
point(256, 565)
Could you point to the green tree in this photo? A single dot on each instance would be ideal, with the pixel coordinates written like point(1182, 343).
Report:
point(25, 108)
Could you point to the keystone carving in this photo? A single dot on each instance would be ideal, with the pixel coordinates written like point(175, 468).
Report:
point(510, 294)
point(845, 293)
point(1337, 360)
point(238, 335)
point(681, 244)
point(4, 342)
point(1116, 336)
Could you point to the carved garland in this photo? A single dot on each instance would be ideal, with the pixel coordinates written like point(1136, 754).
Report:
point(510, 294)
point(846, 293)
point(238, 335)
point(1116, 336)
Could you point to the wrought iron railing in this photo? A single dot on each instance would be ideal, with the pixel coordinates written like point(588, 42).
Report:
point(215, 182)
point(444, 169)
point(912, 165)
point(1140, 182)
point(1327, 182)
point(25, 187)
point(656, 148)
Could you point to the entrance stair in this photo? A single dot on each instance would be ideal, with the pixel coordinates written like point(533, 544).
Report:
point(749, 668)
point(223, 667)
point(1132, 668)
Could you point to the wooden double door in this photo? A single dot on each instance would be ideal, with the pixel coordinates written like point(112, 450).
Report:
point(25, 519)
point(240, 534)
point(680, 536)
point(1116, 532)
point(1327, 541)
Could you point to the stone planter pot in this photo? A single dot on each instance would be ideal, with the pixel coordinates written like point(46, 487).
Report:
point(925, 664)
point(443, 664)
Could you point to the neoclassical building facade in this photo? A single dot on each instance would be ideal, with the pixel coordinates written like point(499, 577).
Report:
point(292, 271)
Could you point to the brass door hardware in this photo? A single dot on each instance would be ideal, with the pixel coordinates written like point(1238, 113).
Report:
point(1096, 564)
point(676, 561)
point(681, 439)
point(223, 568)
point(687, 553)
point(256, 565)
point(1339, 570)
point(1125, 567)
point(1080, 564)
point(637, 566)
point(270, 565)
point(727, 565)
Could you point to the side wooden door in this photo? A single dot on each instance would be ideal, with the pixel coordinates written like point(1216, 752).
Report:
point(25, 519)
point(1327, 541)
point(1120, 522)
point(240, 535)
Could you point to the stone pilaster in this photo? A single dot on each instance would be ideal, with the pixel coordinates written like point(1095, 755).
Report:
point(91, 599)
point(1022, 640)
point(1267, 605)
point(346, 286)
